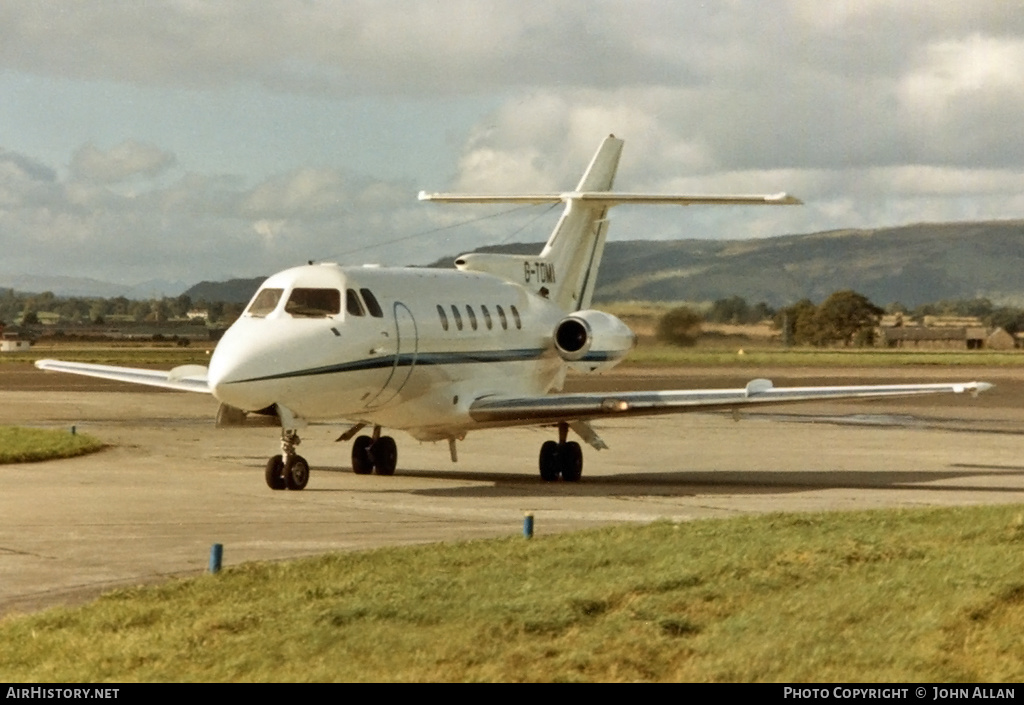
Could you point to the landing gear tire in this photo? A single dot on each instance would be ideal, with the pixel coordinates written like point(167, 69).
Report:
point(385, 455)
point(296, 472)
point(570, 458)
point(549, 465)
point(362, 463)
point(274, 474)
point(561, 459)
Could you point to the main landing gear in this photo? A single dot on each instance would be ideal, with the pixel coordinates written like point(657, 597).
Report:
point(374, 452)
point(369, 453)
point(562, 459)
point(288, 470)
point(377, 453)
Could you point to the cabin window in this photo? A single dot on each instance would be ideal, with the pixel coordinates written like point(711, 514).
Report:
point(515, 315)
point(265, 302)
point(458, 316)
point(487, 316)
point(472, 317)
point(443, 316)
point(352, 305)
point(371, 303)
point(501, 315)
point(313, 302)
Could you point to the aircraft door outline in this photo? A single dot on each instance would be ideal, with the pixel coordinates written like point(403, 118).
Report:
point(406, 352)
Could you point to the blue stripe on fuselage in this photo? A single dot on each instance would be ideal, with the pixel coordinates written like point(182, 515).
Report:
point(405, 360)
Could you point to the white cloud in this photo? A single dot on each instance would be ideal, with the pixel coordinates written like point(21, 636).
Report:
point(120, 163)
point(380, 47)
point(18, 167)
point(206, 227)
point(268, 230)
point(304, 193)
point(873, 112)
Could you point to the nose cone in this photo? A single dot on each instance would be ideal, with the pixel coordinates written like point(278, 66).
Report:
point(221, 370)
point(238, 367)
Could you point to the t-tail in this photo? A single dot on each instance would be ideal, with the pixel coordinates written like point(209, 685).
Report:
point(565, 271)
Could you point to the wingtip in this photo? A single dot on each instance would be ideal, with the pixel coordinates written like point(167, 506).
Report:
point(973, 388)
point(785, 199)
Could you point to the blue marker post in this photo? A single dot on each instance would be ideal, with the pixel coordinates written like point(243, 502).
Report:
point(216, 556)
point(528, 525)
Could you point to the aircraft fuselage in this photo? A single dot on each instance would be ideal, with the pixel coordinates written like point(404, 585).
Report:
point(406, 348)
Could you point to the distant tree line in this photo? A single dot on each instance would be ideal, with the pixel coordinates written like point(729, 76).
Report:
point(680, 326)
point(17, 307)
point(737, 311)
point(846, 318)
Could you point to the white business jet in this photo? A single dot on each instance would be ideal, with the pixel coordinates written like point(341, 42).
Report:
point(440, 353)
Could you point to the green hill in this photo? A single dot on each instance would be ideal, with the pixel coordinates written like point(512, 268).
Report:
point(233, 290)
point(912, 264)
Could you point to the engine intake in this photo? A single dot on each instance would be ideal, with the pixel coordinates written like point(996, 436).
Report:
point(572, 338)
point(593, 340)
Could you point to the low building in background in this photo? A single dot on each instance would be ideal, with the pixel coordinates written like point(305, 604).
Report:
point(942, 336)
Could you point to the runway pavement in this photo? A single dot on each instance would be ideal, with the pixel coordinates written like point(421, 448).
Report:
point(170, 484)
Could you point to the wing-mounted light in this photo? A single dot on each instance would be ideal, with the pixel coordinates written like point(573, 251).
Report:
point(592, 341)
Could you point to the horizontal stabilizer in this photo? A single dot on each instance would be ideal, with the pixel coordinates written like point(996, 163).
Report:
point(606, 199)
point(572, 254)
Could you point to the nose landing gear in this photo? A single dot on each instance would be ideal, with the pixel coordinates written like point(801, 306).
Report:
point(288, 470)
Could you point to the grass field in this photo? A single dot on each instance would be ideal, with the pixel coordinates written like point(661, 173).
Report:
point(24, 445)
point(114, 355)
point(892, 596)
point(658, 355)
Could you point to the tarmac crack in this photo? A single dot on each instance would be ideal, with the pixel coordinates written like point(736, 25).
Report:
point(16, 552)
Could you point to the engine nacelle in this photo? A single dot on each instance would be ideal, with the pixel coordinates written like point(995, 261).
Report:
point(591, 340)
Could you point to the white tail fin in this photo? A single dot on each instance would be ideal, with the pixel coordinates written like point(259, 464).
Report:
point(566, 269)
point(576, 245)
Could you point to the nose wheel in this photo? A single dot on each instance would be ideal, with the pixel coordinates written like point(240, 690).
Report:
point(288, 470)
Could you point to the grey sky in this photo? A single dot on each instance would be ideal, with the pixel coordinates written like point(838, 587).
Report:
point(195, 140)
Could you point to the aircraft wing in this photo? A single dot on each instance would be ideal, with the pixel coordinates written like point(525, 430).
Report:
point(524, 411)
point(184, 378)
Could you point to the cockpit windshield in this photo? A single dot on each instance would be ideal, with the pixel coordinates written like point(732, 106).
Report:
point(265, 302)
point(314, 302)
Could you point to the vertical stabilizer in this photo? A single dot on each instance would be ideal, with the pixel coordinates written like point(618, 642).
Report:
point(576, 245)
point(565, 271)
